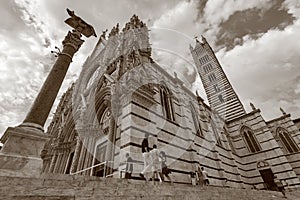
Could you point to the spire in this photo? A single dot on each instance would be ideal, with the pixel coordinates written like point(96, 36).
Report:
point(134, 22)
point(282, 111)
point(114, 30)
point(252, 106)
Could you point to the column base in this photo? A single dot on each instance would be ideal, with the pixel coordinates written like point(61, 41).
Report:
point(20, 155)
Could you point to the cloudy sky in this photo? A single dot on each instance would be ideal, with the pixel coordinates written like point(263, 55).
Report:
point(257, 43)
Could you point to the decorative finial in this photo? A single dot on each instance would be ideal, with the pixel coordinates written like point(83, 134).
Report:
point(103, 35)
point(196, 38)
point(203, 39)
point(283, 112)
point(252, 106)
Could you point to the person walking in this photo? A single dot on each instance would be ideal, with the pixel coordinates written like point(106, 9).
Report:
point(146, 156)
point(129, 166)
point(156, 165)
point(165, 170)
point(280, 186)
point(199, 175)
point(205, 176)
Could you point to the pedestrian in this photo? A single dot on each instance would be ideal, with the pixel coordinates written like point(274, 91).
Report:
point(165, 170)
point(156, 165)
point(146, 157)
point(199, 175)
point(129, 166)
point(193, 178)
point(280, 186)
point(205, 176)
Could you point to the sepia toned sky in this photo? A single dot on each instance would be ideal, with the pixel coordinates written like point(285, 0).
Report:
point(257, 42)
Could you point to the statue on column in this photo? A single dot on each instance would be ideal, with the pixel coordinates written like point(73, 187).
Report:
point(78, 24)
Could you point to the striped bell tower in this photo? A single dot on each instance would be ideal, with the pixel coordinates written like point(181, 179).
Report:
point(221, 96)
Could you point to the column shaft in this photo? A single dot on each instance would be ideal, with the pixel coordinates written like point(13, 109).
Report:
point(76, 156)
point(43, 103)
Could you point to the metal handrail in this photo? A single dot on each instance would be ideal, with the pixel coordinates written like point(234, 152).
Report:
point(103, 163)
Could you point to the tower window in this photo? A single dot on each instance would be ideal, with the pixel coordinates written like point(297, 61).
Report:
point(221, 98)
point(204, 59)
point(207, 68)
point(250, 140)
point(217, 89)
point(166, 103)
point(287, 140)
point(212, 77)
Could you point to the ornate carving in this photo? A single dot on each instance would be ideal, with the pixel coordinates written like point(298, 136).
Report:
point(114, 31)
point(73, 39)
point(262, 164)
point(252, 106)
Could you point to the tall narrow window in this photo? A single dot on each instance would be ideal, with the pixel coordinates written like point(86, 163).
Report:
point(286, 140)
point(212, 77)
point(209, 66)
point(166, 103)
point(216, 133)
point(205, 69)
point(196, 121)
point(250, 139)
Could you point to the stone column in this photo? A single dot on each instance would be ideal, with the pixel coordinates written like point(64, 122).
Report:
point(76, 155)
point(110, 146)
point(52, 164)
point(20, 155)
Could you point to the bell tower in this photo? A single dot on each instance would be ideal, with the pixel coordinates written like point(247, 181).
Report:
point(221, 96)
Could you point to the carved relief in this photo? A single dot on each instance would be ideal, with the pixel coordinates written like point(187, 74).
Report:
point(262, 164)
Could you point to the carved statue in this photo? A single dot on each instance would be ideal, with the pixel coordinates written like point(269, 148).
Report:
point(79, 25)
point(114, 30)
point(252, 106)
point(283, 112)
point(103, 35)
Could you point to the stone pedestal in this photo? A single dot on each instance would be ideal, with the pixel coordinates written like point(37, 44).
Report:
point(20, 155)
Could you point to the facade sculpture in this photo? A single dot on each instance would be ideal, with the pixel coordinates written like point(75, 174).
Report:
point(127, 95)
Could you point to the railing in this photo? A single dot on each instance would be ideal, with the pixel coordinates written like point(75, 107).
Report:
point(105, 164)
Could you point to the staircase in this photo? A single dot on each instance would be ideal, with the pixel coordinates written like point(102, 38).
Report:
point(67, 187)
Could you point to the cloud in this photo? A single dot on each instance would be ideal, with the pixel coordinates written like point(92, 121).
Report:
point(268, 67)
point(253, 22)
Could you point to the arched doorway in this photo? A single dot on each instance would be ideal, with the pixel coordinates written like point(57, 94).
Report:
point(266, 174)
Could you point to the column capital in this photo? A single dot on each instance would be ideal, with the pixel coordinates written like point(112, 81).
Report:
point(73, 39)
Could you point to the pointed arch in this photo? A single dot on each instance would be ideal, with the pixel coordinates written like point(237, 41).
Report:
point(286, 140)
point(166, 102)
point(196, 121)
point(250, 139)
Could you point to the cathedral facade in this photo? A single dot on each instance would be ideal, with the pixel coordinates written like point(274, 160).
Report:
point(122, 94)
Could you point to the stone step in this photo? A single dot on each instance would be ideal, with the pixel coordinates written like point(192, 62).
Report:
point(93, 188)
